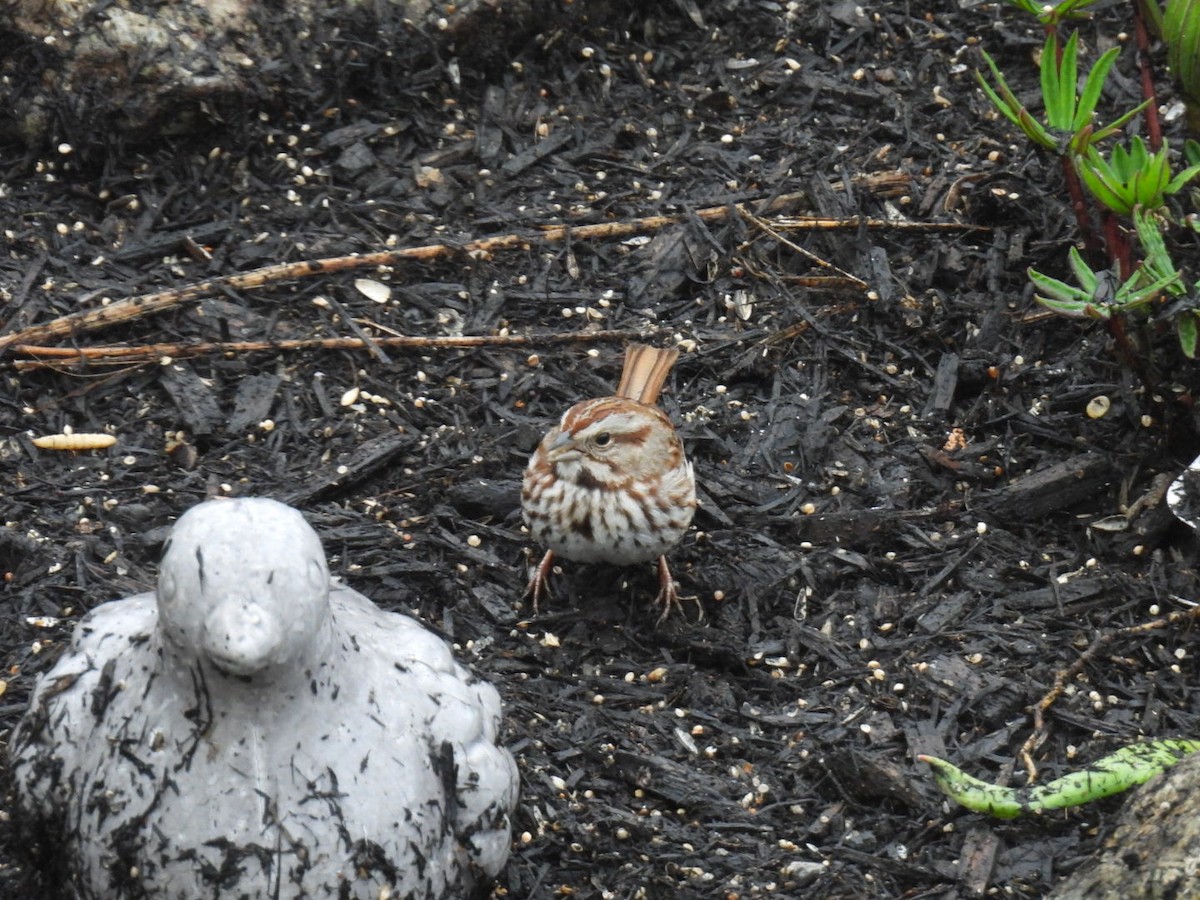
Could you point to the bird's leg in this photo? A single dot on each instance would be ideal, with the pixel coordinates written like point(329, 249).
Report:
point(668, 594)
point(537, 582)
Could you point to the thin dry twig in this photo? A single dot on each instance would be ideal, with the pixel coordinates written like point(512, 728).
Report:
point(160, 301)
point(123, 355)
point(843, 276)
point(1065, 676)
point(853, 223)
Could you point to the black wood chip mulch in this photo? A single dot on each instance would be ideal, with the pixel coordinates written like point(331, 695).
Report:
point(895, 548)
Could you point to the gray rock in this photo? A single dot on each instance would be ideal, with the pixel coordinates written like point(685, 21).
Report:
point(1154, 851)
point(254, 730)
point(142, 68)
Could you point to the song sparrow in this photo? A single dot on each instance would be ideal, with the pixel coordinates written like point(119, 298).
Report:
point(610, 483)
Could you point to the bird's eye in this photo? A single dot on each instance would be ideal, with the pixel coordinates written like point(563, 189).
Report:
point(603, 439)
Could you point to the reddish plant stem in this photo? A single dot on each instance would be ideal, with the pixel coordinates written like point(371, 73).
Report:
point(1079, 206)
point(1120, 252)
point(1153, 128)
point(1126, 352)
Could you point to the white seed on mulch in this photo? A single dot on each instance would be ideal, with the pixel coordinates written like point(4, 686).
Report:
point(1098, 407)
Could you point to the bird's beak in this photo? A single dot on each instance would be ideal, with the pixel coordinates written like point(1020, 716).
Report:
point(563, 448)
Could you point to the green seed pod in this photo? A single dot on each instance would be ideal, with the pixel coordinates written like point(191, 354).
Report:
point(1112, 774)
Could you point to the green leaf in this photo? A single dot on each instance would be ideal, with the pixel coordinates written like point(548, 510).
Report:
point(1154, 17)
point(1065, 111)
point(1120, 160)
point(1103, 182)
point(997, 101)
point(1034, 131)
point(1137, 293)
point(1176, 184)
point(1139, 154)
point(1191, 151)
point(1072, 309)
point(1148, 181)
point(1146, 224)
point(1082, 271)
point(1181, 31)
point(1007, 103)
point(1059, 290)
point(1130, 176)
point(1186, 327)
point(1157, 263)
point(1092, 88)
point(1058, 81)
point(1113, 127)
point(1051, 15)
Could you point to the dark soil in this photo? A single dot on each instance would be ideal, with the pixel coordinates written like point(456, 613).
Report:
point(893, 551)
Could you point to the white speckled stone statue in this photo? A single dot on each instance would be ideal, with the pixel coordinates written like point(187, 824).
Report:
point(256, 731)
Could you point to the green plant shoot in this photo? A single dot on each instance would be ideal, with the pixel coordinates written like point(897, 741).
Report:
point(1191, 151)
point(1132, 178)
point(1098, 295)
point(1181, 31)
point(1118, 772)
point(1051, 15)
point(1068, 115)
point(1159, 267)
